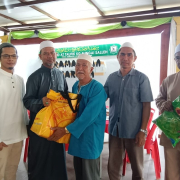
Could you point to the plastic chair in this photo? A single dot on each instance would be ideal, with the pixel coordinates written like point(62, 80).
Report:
point(148, 150)
point(149, 124)
point(150, 119)
point(126, 158)
point(26, 150)
point(66, 147)
point(107, 125)
point(26, 144)
point(152, 145)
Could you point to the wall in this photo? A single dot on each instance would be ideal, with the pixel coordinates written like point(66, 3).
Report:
point(163, 30)
point(147, 48)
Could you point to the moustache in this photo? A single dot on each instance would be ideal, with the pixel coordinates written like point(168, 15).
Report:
point(50, 59)
point(80, 72)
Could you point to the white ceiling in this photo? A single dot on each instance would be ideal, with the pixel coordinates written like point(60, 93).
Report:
point(124, 6)
point(24, 14)
point(76, 9)
point(70, 9)
point(6, 2)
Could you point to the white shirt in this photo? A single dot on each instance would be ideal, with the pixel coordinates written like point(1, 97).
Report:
point(13, 115)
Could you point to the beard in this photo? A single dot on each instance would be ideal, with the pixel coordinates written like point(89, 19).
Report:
point(10, 68)
point(178, 65)
point(50, 64)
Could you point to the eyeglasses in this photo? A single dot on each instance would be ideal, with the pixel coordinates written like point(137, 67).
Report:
point(7, 56)
point(177, 58)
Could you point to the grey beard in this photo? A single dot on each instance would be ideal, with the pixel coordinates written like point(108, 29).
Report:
point(10, 68)
point(178, 65)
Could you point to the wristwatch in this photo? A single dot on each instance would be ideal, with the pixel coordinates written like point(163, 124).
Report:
point(144, 131)
point(66, 130)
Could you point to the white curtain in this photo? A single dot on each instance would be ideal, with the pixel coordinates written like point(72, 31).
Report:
point(172, 45)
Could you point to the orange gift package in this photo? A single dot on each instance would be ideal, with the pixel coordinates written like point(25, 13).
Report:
point(60, 113)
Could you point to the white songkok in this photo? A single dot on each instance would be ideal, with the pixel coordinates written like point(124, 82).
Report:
point(86, 57)
point(177, 49)
point(46, 44)
point(127, 44)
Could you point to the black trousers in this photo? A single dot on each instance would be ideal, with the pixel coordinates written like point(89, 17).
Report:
point(46, 159)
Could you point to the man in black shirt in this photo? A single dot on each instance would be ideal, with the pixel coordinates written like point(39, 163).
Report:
point(46, 159)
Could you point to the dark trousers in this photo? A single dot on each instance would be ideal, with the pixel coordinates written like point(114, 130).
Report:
point(117, 147)
point(87, 169)
point(46, 159)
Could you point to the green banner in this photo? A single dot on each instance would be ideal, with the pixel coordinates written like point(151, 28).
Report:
point(94, 50)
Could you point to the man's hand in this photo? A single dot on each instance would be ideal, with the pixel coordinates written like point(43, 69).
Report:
point(166, 106)
point(2, 145)
point(58, 133)
point(46, 101)
point(140, 139)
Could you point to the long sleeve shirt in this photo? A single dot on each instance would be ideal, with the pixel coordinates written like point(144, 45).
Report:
point(13, 114)
point(169, 90)
point(47, 158)
point(38, 85)
point(87, 131)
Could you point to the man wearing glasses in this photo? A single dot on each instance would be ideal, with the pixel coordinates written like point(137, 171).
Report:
point(46, 159)
point(13, 115)
point(169, 91)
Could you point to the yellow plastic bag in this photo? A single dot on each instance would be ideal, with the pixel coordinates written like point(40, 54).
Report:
point(60, 113)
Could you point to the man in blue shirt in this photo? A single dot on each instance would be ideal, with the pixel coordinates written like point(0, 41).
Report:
point(130, 95)
point(87, 131)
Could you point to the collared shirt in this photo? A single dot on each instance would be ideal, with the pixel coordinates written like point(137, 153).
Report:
point(127, 94)
point(38, 85)
point(87, 131)
point(169, 90)
point(13, 114)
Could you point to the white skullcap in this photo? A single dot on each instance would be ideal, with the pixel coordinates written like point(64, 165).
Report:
point(127, 44)
point(46, 44)
point(177, 49)
point(85, 57)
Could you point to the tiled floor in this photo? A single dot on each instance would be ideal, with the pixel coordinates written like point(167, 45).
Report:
point(149, 173)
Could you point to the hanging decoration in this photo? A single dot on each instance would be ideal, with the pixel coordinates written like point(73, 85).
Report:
point(92, 31)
